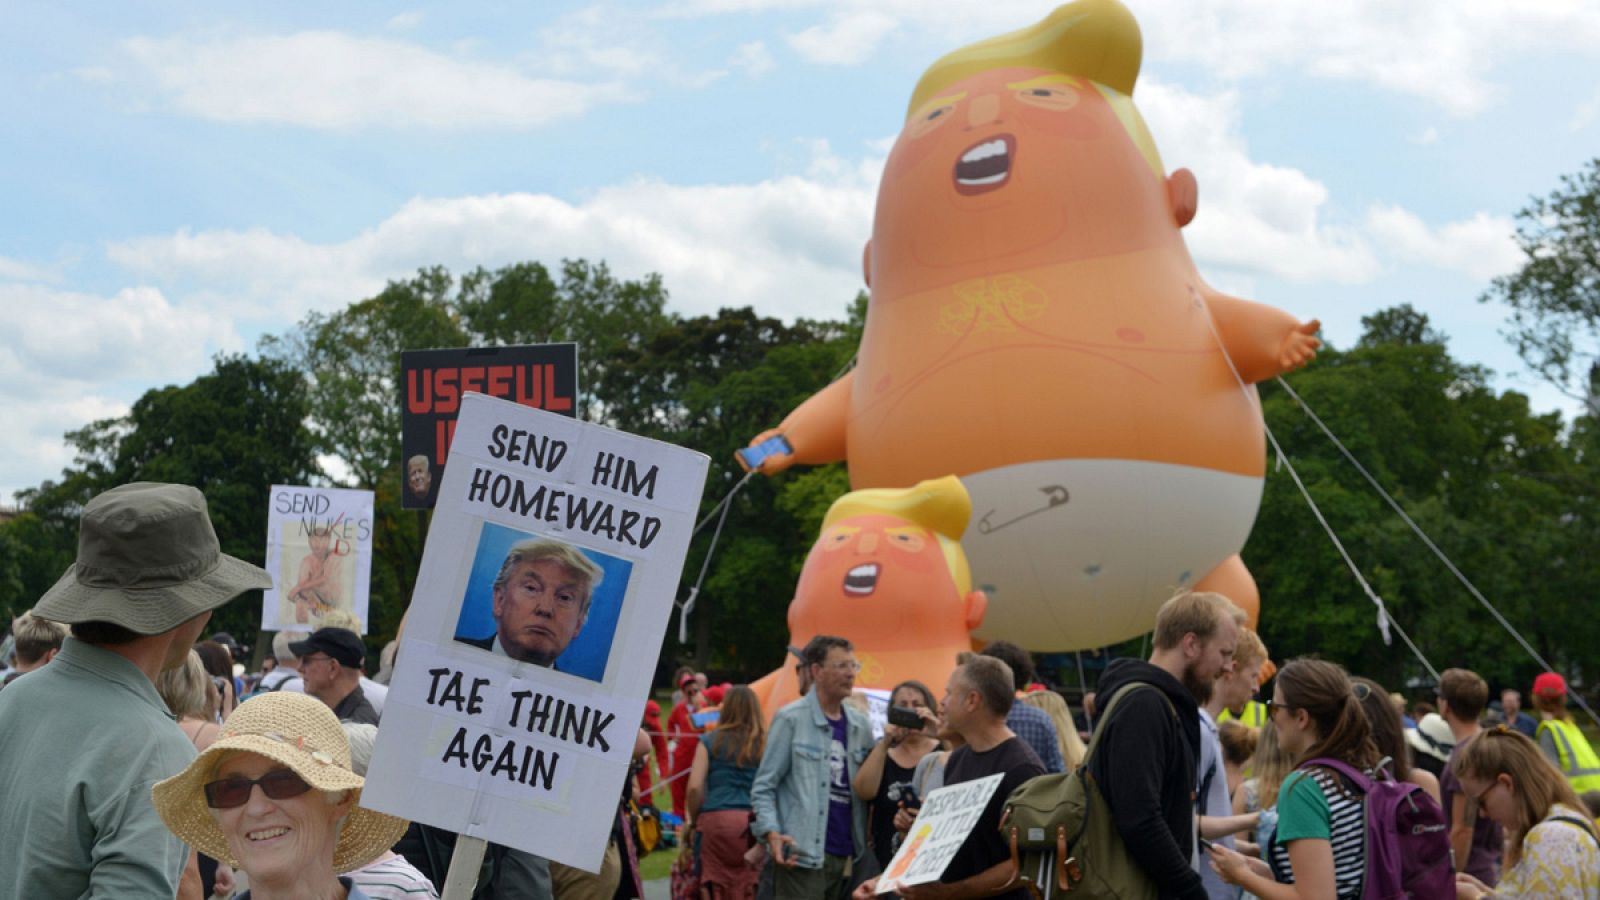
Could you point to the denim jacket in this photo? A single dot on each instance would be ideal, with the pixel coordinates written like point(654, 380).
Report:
point(790, 794)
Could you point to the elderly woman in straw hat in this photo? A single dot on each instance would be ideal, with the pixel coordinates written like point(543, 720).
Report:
point(275, 796)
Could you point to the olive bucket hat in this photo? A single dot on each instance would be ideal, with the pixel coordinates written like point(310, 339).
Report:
point(148, 560)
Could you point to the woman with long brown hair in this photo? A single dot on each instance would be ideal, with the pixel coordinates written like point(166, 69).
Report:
point(1552, 848)
point(1319, 849)
point(718, 801)
point(1389, 734)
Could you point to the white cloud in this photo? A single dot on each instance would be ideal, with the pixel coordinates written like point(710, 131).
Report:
point(789, 245)
point(753, 59)
point(66, 355)
point(1482, 246)
point(39, 412)
point(848, 39)
point(329, 80)
point(1254, 217)
point(1586, 113)
point(1426, 136)
point(17, 270)
point(133, 333)
point(404, 21)
point(1444, 52)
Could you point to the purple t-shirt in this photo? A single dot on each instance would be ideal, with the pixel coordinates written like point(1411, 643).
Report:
point(840, 842)
point(1483, 860)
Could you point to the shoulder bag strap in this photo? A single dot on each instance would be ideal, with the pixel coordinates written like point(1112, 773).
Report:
point(1586, 827)
point(1116, 700)
point(1358, 778)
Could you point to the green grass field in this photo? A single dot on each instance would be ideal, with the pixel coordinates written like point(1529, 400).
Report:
point(658, 864)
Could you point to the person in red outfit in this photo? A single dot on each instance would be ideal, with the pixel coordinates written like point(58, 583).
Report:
point(685, 737)
point(658, 742)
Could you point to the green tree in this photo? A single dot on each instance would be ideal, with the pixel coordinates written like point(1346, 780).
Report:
point(523, 304)
point(232, 433)
point(1555, 295)
point(1490, 481)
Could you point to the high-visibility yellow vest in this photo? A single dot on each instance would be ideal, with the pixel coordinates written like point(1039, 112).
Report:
point(1255, 715)
point(1577, 759)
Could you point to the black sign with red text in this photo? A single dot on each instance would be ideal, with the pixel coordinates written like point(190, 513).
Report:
point(543, 376)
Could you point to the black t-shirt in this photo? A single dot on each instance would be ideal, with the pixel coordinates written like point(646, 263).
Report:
point(880, 824)
point(985, 846)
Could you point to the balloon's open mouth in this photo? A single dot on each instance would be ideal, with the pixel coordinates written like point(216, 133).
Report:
point(861, 580)
point(985, 166)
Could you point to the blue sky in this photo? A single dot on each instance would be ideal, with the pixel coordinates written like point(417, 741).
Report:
point(179, 179)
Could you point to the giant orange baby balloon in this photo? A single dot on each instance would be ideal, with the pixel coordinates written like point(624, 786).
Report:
point(1038, 328)
point(887, 574)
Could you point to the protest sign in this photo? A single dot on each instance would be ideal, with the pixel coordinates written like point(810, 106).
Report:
point(947, 817)
point(877, 709)
point(319, 552)
point(531, 642)
point(433, 383)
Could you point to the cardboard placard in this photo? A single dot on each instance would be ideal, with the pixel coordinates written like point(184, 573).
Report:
point(549, 575)
point(947, 817)
point(319, 553)
point(433, 384)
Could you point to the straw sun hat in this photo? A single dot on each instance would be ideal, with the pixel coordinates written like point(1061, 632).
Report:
point(303, 734)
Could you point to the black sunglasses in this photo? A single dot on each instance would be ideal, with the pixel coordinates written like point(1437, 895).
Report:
point(279, 784)
point(1273, 704)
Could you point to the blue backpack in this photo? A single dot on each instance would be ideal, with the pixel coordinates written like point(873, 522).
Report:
point(1407, 840)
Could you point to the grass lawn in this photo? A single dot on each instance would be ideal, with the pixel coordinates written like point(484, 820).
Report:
point(658, 864)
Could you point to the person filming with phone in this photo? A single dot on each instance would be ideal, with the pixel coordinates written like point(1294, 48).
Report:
point(976, 699)
point(885, 778)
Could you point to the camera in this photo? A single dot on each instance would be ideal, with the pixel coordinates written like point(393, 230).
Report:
point(905, 717)
point(904, 792)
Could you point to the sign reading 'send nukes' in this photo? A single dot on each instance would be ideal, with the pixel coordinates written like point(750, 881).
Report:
point(550, 569)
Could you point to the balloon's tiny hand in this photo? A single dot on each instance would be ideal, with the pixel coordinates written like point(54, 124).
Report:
point(1299, 346)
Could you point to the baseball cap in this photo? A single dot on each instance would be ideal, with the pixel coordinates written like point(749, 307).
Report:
point(342, 644)
point(1550, 684)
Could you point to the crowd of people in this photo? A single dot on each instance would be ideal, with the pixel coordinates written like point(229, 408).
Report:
point(137, 760)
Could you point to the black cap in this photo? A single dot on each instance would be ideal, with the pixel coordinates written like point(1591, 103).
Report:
point(342, 644)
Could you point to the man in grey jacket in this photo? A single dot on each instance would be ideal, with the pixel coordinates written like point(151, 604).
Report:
point(805, 811)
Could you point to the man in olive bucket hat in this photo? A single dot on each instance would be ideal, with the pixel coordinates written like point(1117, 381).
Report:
point(83, 740)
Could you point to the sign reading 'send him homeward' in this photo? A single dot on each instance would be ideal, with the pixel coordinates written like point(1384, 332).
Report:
point(548, 578)
point(433, 383)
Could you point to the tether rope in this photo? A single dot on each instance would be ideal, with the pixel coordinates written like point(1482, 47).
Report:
point(1385, 620)
point(1423, 536)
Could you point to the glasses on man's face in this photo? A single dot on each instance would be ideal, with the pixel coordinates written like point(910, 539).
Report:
point(233, 791)
point(846, 665)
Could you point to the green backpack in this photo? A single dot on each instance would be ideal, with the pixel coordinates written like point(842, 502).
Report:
point(1062, 836)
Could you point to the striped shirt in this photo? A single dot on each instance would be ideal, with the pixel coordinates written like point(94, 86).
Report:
point(1313, 804)
point(392, 878)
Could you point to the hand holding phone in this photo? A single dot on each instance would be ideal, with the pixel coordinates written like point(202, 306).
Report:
point(779, 844)
point(754, 457)
point(905, 717)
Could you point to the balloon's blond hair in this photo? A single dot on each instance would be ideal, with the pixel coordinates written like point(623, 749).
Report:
point(940, 505)
point(1094, 40)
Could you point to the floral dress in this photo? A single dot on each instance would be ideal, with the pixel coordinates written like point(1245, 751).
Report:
point(1560, 860)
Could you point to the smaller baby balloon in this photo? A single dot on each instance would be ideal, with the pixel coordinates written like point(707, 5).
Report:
point(887, 574)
